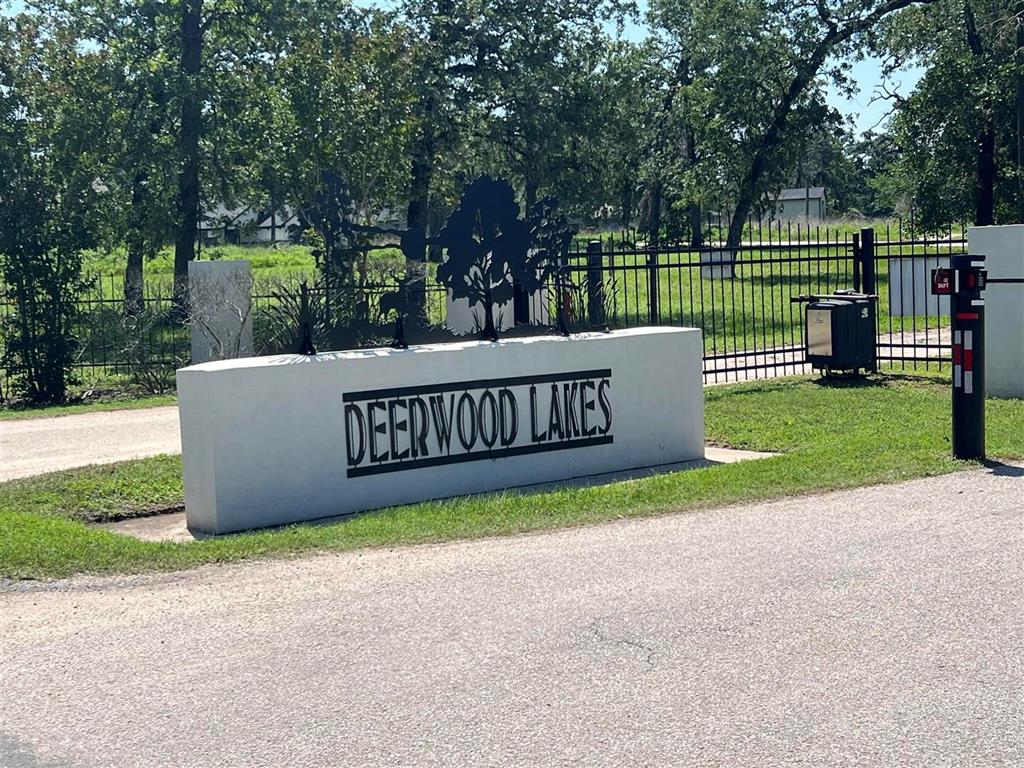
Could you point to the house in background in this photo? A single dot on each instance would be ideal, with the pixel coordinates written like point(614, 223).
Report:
point(801, 204)
point(247, 225)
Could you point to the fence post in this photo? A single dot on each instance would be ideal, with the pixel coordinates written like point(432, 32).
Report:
point(867, 251)
point(856, 262)
point(653, 288)
point(595, 284)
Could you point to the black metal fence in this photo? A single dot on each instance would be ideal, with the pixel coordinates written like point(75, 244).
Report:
point(740, 298)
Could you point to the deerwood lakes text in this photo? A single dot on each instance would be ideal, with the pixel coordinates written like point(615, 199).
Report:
point(432, 425)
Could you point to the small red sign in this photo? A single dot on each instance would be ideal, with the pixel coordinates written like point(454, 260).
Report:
point(942, 282)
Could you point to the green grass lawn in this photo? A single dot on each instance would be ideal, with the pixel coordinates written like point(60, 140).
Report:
point(118, 403)
point(266, 260)
point(833, 436)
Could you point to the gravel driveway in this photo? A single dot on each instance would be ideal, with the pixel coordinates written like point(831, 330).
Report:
point(883, 626)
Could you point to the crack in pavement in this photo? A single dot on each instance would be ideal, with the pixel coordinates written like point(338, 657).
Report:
point(604, 637)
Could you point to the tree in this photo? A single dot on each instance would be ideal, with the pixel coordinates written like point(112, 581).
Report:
point(52, 197)
point(451, 48)
point(619, 143)
point(487, 247)
point(342, 117)
point(757, 83)
point(172, 114)
point(679, 167)
point(956, 130)
point(135, 121)
point(541, 89)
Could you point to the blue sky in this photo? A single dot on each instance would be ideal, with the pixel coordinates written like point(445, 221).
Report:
point(868, 76)
point(867, 73)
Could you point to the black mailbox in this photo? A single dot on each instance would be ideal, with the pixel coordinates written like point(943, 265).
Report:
point(839, 331)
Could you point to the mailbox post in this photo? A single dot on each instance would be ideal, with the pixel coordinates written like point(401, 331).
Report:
point(964, 282)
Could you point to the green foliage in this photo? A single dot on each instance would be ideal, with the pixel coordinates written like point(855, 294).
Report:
point(966, 96)
point(337, 105)
point(749, 88)
point(49, 196)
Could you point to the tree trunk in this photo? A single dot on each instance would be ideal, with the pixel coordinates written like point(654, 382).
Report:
point(654, 216)
point(188, 148)
point(984, 214)
point(693, 207)
point(626, 203)
point(530, 194)
point(133, 298)
point(273, 215)
point(435, 222)
point(418, 213)
point(985, 173)
point(696, 226)
point(133, 291)
point(806, 71)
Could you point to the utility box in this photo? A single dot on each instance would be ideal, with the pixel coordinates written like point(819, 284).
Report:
point(840, 331)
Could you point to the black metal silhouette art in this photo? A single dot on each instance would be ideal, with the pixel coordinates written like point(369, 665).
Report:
point(491, 257)
point(488, 250)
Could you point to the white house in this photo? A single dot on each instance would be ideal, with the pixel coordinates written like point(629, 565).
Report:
point(246, 225)
point(801, 204)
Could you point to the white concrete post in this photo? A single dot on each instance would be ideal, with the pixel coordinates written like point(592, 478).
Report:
point(461, 318)
point(910, 287)
point(1003, 248)
point(220, 309)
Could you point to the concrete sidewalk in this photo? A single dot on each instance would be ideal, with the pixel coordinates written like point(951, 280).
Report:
point(881, 626)
point(34, 446)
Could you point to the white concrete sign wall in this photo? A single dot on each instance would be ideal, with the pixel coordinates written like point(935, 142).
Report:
point(1003, 248)
point(274, 440)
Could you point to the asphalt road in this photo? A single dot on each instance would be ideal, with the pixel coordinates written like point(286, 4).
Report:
point(883, 626)
point(34, 446)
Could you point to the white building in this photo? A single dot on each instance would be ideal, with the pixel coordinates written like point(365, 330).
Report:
point(803, 204)
point(247, 225)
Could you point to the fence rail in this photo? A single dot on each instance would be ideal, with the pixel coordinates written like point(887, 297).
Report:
point(739, 297)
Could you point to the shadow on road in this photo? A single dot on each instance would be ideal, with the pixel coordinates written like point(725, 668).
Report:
point(1000, 469)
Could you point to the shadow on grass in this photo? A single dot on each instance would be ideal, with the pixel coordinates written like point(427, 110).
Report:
point(849, 381)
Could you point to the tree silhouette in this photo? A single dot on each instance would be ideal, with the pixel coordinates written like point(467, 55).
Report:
point(488, 250)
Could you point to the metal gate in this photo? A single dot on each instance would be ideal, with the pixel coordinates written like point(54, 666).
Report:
point(741, 297)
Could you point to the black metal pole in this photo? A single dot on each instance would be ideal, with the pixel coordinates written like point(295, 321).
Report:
point(653, 287)
point(856, 262)
point(867, 257)
point(595, 284)
point(967, 312)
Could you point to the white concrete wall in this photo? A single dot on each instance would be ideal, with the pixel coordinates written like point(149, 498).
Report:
point(274, 440)
point(220, 309)
point(1003, 248)
point(910, 287)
